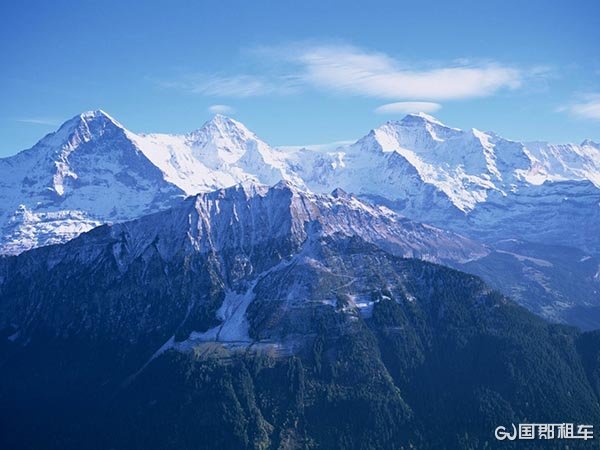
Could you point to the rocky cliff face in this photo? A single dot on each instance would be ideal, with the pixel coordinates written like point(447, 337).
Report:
point(177, 269)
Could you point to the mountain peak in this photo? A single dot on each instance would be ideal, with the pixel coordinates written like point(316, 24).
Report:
point(221, 126)
point(249, 188)
point(82, 128)
point(421, 117)
point(590, 143)
point(95, 114)
point(223, 140)
point(340, 193)
point(93, 118)
point(221, 118)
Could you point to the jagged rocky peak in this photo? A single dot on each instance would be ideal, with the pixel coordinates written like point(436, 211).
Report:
point(242, 191)
point(250, 214)
point(97, 115)
point(84, 127)
point(248, 189)
point(340, 193)
point(95, 123)
point(248, 197)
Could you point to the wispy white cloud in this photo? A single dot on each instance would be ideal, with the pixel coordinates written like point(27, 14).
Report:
point(221, 109)
point(353, 71)
point(38, 121)
point(408, 107)
point(588, 107)
point(232, 86)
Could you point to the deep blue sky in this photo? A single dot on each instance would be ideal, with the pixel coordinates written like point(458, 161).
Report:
point(301, 72)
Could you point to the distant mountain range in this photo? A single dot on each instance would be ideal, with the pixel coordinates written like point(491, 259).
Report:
point(529, 212)
point(93, 170)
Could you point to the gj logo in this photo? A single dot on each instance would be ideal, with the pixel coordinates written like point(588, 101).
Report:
point(528, 431)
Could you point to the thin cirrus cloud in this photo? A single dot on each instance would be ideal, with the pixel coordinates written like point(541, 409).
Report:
point(408, 107)
point(38, 121)
point(221, 109)
point(232, 86)
point(588, 107)
point(353, 71)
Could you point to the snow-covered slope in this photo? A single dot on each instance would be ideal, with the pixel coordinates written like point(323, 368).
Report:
point(92, 171)
point(248, 215)
point(466, 166)
point(223, 152)
point(475, 182)
point(86, 173)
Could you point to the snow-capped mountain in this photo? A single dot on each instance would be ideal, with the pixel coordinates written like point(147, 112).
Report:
point(472, 181)
point(223, 152)
point(92, 171)
point(87, 173)
point(467, 166)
